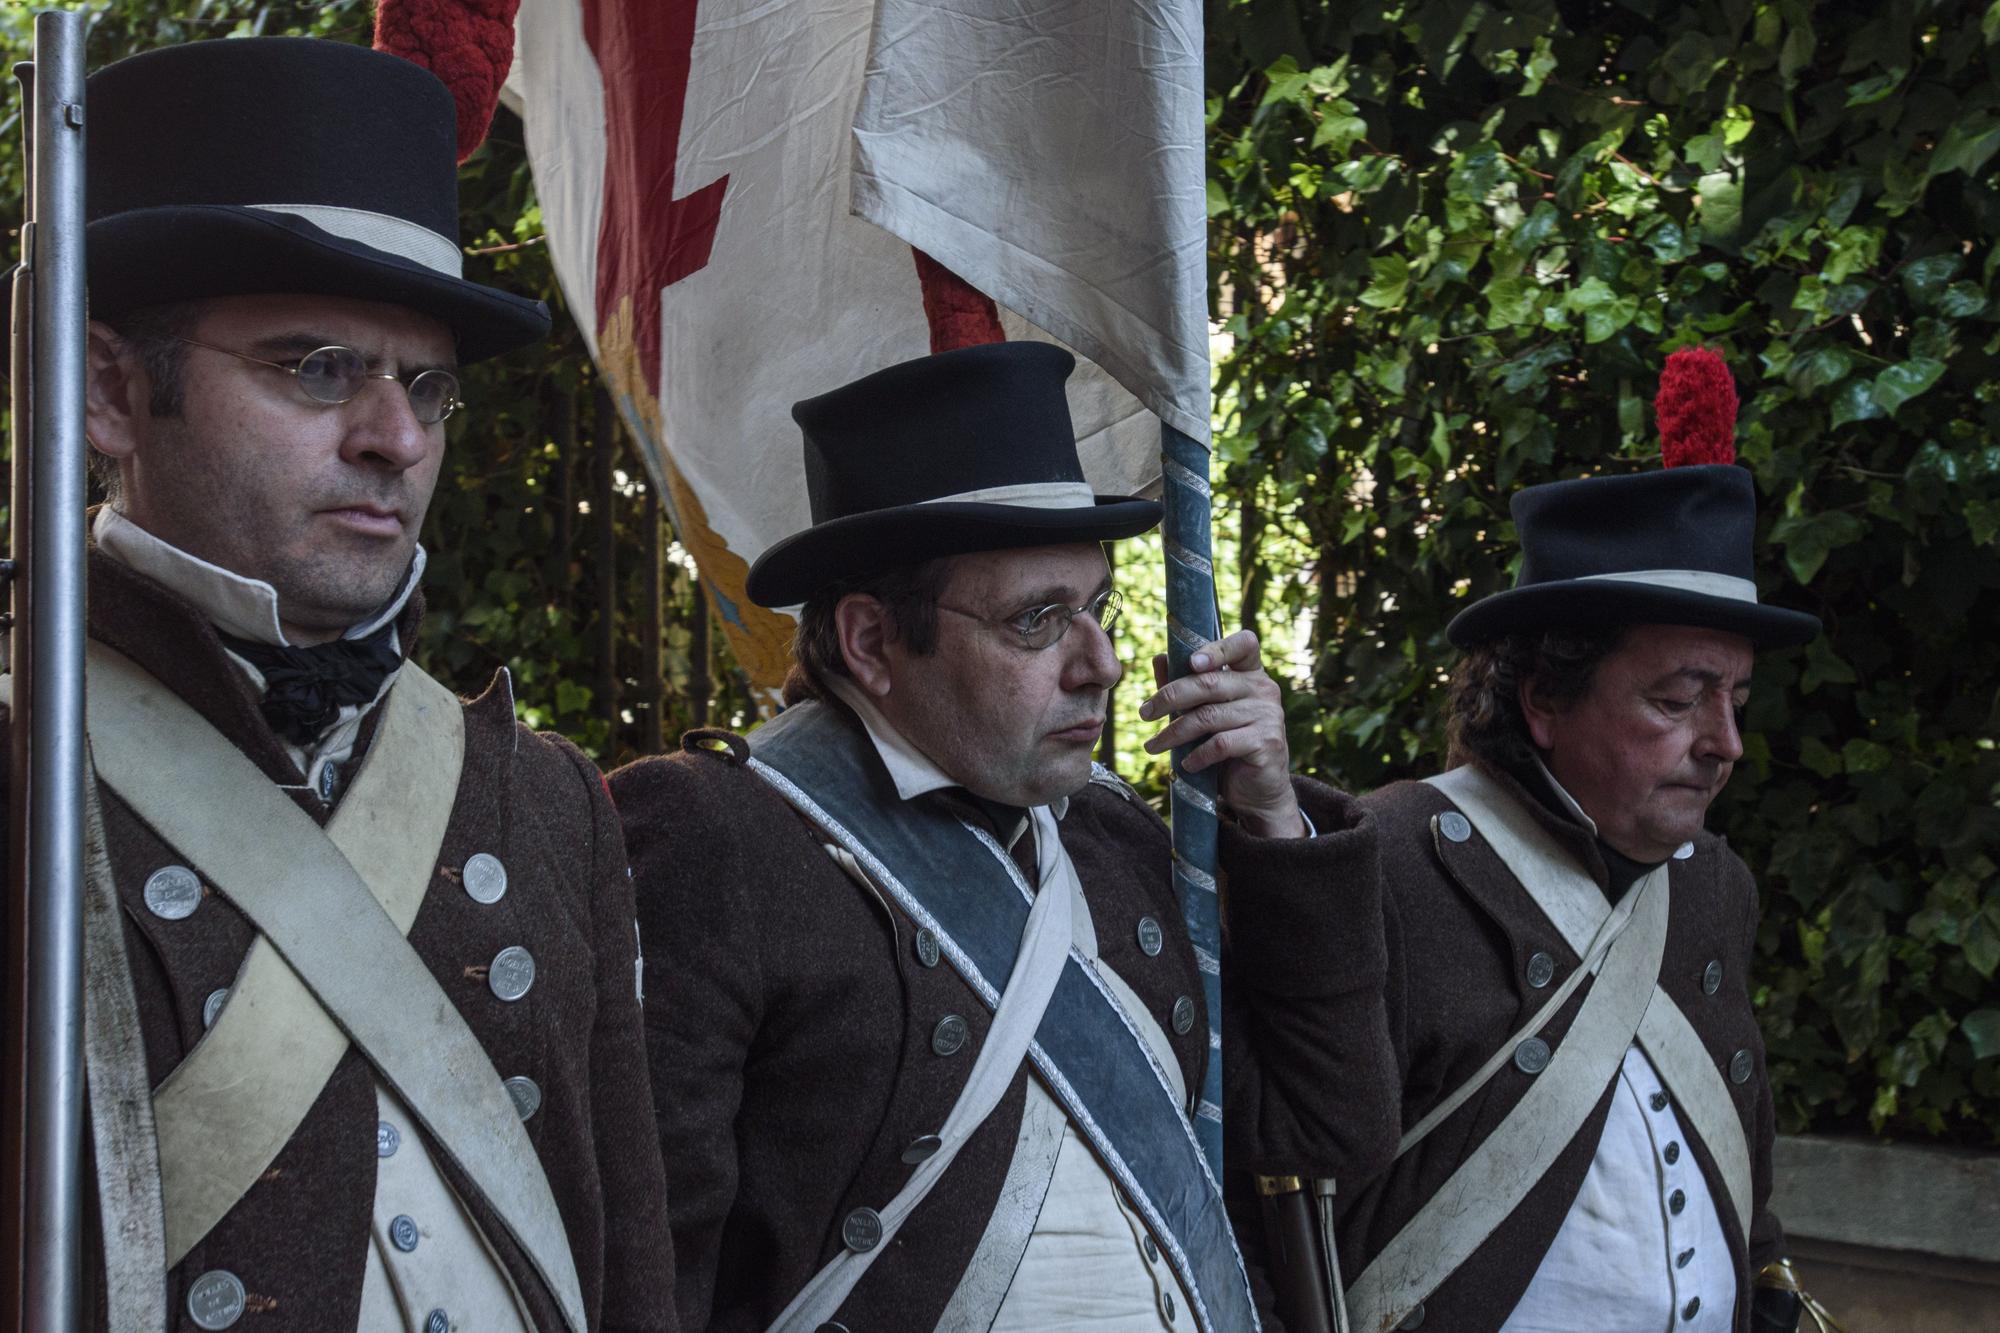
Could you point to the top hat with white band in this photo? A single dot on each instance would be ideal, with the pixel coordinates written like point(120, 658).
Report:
point(278, 164)
point(967, 450)
point(1673, 547)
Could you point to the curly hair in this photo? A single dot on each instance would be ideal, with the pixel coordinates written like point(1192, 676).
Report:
point(1485, 720)
point(909, 593)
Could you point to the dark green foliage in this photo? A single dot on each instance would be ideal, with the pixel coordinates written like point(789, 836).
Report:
point(1455, 239)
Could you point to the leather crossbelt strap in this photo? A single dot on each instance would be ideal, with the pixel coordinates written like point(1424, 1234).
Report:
point(227, 1110)
point(314, 907)
point(1044, 949)
point(1572, 901)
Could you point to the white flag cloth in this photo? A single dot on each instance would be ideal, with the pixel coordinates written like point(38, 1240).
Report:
point(701, 167)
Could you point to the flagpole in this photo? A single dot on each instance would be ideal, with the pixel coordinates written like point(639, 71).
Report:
point(1192, 621)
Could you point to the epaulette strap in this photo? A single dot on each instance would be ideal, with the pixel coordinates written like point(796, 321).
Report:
point(1104, 777)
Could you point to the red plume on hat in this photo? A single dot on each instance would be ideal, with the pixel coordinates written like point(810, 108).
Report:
point(1696, 407)
point(469, 44)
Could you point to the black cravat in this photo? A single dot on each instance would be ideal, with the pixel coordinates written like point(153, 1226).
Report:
point(305, 688)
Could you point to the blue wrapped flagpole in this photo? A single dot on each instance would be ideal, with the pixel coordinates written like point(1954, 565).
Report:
point(1192, 621)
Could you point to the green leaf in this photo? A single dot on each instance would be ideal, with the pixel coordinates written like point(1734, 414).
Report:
point(1391, 282)
point(1924, 279)
point(1721, 196)
point(1900, 383)
point(1870, 91)
point(1864, 756)
point(1855, 402)
point(1966, 145)
point(1981, 1027)
point(1817, 369)
point(1814, 754)
point(1512, 301)
point(1218, 202)
point(1340, 129)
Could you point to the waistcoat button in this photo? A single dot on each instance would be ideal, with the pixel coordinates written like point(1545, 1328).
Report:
point(1541, 969)
point(511, 972)
point(862, 1230)
point(484, 877)
point(172, 893)
point(948, 1037)
point(216, 1299)
point(1532, 1056)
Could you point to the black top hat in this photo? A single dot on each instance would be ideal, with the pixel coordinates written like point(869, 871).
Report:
point(1672, 547)
point(969, 450)
point(278, 164)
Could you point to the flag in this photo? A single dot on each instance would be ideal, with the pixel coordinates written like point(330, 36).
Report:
point(749, 202)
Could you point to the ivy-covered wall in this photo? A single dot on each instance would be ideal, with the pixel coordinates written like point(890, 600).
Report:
point(1453, 242)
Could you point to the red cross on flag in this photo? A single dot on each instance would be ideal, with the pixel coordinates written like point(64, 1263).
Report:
point(733, 190)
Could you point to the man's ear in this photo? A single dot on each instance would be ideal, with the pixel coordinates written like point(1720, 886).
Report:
point(862, 624)
point(1539, 714)
point(117, 390)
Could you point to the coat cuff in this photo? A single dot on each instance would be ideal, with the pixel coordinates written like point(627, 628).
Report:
point(1305, 914)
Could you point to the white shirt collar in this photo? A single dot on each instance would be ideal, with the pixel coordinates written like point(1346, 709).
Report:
point(244, 607)
point(1681, 853)
point(913, 771)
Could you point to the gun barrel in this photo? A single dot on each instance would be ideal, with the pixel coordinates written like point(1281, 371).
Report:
point(47, 800)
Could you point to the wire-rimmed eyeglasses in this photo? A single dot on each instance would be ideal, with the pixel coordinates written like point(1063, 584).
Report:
point(335, 374)
point(1041, 627)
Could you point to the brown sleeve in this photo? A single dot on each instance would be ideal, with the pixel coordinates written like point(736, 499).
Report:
point(638, 1244)
point(703, 999)
point(1311, 1078)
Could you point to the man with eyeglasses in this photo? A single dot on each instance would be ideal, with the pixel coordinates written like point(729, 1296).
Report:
point(366, 1048)
point(924, 1021)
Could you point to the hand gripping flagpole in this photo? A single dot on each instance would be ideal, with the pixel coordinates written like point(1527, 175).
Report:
point(1192, 621)
point(44, 1141)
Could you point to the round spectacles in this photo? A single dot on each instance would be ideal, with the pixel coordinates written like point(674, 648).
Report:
point(1041, 627)
point(335, 374)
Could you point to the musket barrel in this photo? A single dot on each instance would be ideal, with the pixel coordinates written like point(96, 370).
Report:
point(52, 1195)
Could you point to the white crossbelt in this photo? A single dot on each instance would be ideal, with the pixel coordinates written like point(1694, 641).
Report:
point(1623, 946)
point(328, 931)
point(1045, 942)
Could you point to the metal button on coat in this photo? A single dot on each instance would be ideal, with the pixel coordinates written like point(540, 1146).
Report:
point(831, 1327)
point(1152, 1250)
point(1151, 937)
point(1711, 977)
point(437, 1321)
point(1673, 1153)
point(1167, 1305)
point(1691, 1309)
point(216, 1299)
point(172, 893)
point(1413, 1320)
point(1740, 1067)
point(1532, 1056)
point(1183, 1016)
point(403, 1232)
point(484, 877)
point(1456, 828)
point(387, 1139)
point(862, 1230)
point(927, 948)
point(329, 779)
point(1684, 851)
point(511, 972)
point(922, 1149)
point(1681, 1259)
point(211, 1008)
point(1541, 969)
point(1659, 1101)
point(948, 1037)
point(1677, 1201)
point(526, 1094)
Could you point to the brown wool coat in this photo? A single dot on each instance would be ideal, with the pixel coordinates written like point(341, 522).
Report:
point(298, 1239)
point(1459, 931)
point(789, 1023)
